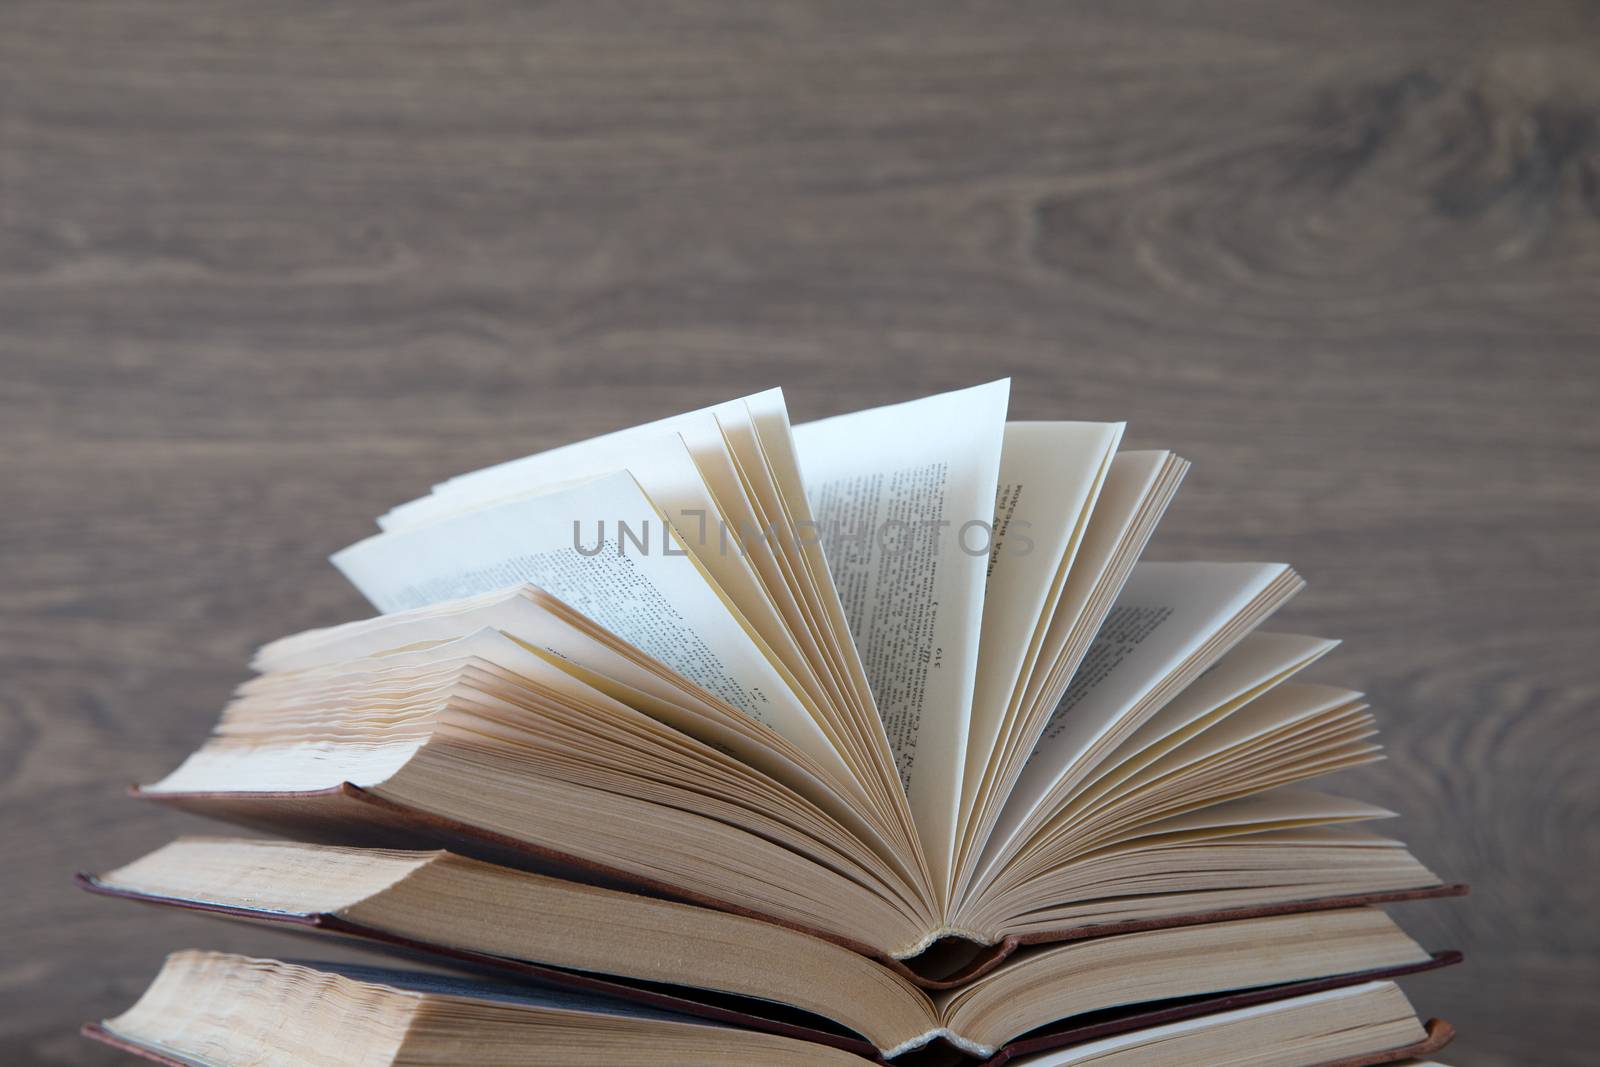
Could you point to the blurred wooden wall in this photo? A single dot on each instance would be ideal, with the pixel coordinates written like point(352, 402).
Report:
point(269, 268)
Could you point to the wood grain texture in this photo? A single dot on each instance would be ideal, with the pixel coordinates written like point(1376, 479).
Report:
point(267, 269)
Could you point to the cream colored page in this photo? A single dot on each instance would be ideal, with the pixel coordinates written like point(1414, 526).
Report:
point(652, 596)
point(508, 610)
point(1049, 475)
point(1144, 1046)
point(1284, 706)
point(1286, 808)
point(517, 614)
point(1165, 613)
point(1131, 479)
point(760, 537)
point(769, 420)
point(903, 496)
point(526, 623)
point(1251, 667)
point(493, 647)
point(764, 443)
point(1258, 660)
point(774, 552)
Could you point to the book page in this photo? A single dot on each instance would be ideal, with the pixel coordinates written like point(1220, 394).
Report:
point(1130, 483)
point(771, 438)
point(903, 497)
point(1251, 668)
point(524, 614)
point(1130, 498)
point(603, 549)
point(686, 467)
point(522, 993)
point(1290, 807)
point(1285, 706)
point(672, 475)
point(1166, 613)
point(1293, 1024)
point(618, 450)
point(1133, 477)
point(1256, 664)
point(1050, 475)
point(763, 446)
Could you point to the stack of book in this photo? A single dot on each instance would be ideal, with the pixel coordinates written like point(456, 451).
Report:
point(721, 741)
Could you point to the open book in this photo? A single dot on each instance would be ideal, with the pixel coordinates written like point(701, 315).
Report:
point(897, 679)
point(211, 1008)
point(564, 933)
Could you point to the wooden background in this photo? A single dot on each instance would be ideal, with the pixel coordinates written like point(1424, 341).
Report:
point(269, 268)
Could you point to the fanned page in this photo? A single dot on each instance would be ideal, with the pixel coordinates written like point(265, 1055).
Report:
point(903, 497)
point(717, 475)
point(1050, 476)
point(923, 622)
point(687, 469)
point(1167, 617)
point(652, 596)
point(727, 480)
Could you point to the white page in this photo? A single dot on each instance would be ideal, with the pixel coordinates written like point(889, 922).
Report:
point(669, 471)
point(903, 496)
point(597, 455)
point(1050, 473)
point(655, 598)
point(1165, 614)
